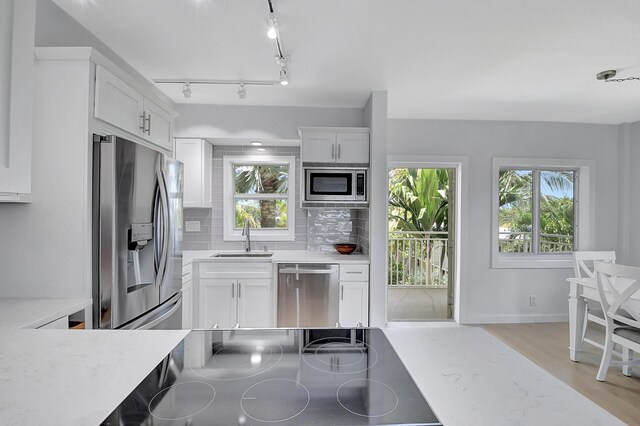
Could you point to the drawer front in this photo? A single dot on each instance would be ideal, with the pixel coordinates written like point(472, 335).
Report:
point(358, 272)
point(236, 270)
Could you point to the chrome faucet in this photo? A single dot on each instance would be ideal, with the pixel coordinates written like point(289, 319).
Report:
point(246, 230)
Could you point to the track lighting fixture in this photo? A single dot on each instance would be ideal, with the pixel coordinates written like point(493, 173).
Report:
point(242, 92)
point(186, 90)
point(282, 59)
point(284, 76)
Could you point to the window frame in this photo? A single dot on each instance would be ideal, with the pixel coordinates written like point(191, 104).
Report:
point(230, 233)
point(583, 206)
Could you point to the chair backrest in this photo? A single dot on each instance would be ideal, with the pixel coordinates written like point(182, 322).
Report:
point(583, 262)
point(616, 285)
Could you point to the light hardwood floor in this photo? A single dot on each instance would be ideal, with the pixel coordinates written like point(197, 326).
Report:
point(546, 344)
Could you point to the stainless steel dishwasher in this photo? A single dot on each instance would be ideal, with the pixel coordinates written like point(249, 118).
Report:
point(307, 295)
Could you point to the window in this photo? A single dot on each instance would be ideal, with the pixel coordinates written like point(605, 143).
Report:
point(536, 212)
point(260, 190)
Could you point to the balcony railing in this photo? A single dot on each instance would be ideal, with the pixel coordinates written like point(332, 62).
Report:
point(520, 242)
point(418, 259)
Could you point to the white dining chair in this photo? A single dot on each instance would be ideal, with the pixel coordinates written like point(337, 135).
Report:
point(619, 290)
point(583, 268)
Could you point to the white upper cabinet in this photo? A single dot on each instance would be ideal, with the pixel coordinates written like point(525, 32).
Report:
point(121, 105)
point(196, 154)
point(318, 147)
point(17, 32)
point(158, 125)
point(118, 103)
point(352, 148)
point(335, 146)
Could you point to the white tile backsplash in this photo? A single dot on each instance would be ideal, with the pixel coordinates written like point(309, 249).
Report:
point(315, 229)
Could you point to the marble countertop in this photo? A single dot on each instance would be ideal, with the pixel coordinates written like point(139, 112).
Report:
point(467, 376)
point(281, 256)
point(470, 377)
point(74, 377)
point(35, 312)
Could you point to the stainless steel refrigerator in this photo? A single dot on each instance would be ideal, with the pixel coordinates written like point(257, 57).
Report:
point(137, 236)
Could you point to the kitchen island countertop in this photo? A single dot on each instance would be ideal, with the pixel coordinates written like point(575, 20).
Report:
point(74, 377)
point(71, 377)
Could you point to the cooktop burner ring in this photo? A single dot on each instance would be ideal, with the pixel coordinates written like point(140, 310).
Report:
point(243, 374)
point(255, 390)
point(377, 383)
point(344, 342)
point(207, 388)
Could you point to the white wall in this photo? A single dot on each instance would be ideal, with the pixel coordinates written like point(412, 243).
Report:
point(502, 295)
point(259, 122)
point(376, 120)
point(629, 245)
point(56, 28)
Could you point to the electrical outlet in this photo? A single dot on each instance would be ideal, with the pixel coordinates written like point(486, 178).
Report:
point(532, 300)
point(192, 226)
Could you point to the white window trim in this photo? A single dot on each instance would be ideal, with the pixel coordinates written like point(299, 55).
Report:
point(584, 211)
point(229, 231)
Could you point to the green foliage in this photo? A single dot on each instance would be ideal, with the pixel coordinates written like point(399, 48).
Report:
point(268, 179)
point(262, 179)
point(556, 213)
point(418, 200)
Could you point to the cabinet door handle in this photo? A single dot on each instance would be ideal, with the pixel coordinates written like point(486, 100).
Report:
point(333, 152)
point(148, 120)
point(239, 290)
point(338, 151)
point(142, 121)
point(341, 292)
point(233, 290)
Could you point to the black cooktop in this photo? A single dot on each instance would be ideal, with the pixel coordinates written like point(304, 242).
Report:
point(278, 377)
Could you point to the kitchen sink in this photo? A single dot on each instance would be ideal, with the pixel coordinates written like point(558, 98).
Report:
point(243, 254)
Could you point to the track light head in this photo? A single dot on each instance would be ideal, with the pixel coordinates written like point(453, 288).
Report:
point(284, 76)
point(186, 90)
point(272, 33)
point(242, 92)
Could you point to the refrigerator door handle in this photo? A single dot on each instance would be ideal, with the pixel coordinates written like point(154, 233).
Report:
point(156, 321)
point(164, 223)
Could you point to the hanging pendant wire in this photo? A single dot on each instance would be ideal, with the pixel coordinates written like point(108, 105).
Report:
point(607, 75)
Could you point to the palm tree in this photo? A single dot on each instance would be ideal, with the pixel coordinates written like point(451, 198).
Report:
point(257, 179)
point(515, 205)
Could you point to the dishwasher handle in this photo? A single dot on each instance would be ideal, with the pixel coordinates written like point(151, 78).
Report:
point(306, 271)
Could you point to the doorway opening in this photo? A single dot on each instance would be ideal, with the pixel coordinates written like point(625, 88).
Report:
point(421, 255)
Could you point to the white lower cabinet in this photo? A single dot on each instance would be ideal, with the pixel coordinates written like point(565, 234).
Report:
point(354, 303)
point(235, 294)
point(253, 309)
point(228, 302)
point(218, 305)
point(187, 304)
point(354, 295)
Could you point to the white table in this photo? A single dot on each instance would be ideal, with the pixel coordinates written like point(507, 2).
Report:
point(581, 289)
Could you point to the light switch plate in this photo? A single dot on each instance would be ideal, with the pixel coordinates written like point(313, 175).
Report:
point(192, 226)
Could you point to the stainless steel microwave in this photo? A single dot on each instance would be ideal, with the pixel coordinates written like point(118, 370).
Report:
point(335, 185)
